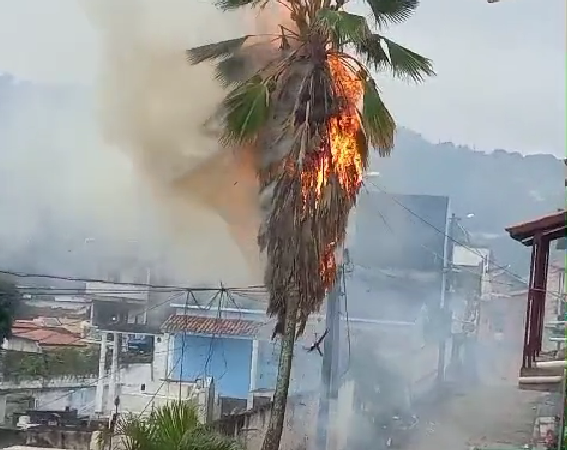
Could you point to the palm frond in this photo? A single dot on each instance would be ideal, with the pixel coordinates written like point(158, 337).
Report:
point(217, 50)
point(137, 434)
point(172, 422)
point(406, 63)
point(343, 27)
point(234, 4)
point(381, 53)
point(372, 52)
point(392, 11)
point(378, 123)
point(174, 426)
point(232, 70)
point(204, 439)
point(246, 110)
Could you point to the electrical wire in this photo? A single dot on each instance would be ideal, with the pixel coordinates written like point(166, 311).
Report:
point(471, 249)
point(109, 374)
point(165, 380)
point(118, 283)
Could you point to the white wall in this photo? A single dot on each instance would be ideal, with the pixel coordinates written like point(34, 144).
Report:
point(21, 345)
point(81, 399)
point(97, 289)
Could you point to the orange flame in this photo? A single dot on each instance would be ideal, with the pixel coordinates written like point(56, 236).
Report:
point(339, 155)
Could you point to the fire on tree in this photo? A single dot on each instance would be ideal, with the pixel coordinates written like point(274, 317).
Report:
point(307, 111)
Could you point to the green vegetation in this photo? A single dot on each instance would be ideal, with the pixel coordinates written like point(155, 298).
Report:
point(64, 362)
point(9, 301)
point(172, 427)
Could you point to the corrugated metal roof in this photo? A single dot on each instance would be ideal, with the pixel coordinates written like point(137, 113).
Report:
point(210, 325)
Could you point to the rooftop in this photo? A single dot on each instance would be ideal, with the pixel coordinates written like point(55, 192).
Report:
point(210, 325)
point(550, 227)
point(45, 336)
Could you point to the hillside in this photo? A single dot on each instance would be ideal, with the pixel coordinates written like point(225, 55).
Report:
point(500, 188)
point(42, 126)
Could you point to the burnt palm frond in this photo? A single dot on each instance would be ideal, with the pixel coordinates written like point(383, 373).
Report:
point(246, 111)
point(378, 123)
point(217, 50)
point(391, 11)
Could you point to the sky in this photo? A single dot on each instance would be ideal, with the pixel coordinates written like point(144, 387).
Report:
point(501, 67)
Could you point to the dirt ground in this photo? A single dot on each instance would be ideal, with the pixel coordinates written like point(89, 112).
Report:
point(485, 416)
point(493, 414)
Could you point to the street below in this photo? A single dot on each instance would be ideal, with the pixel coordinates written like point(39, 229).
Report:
point(495, 416)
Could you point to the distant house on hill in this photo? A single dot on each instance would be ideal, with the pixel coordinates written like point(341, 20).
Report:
point(34, 336)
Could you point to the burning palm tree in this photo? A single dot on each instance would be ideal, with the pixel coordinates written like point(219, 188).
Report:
point(308, 111)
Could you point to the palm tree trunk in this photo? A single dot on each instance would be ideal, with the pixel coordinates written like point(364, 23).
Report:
point(274, 431)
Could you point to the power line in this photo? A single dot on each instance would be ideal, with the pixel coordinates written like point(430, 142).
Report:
point(442, 258)
point(254, 288)
point(155, 353)
point(472, 249)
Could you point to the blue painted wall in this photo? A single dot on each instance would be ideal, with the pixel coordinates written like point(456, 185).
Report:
point(227, 360)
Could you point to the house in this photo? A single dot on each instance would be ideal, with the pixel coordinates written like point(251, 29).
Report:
point(233, 346)
point(35, 336)
point(44, 366)
point(544, 302)
point(126, 316)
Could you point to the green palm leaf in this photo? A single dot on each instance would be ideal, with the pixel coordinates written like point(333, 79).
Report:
point(204, 439)
point(372, 53)
point(175, 426)
point(246, 110)
point(392, 11)
point(403, 62)
point(217, 50)
point(378, 123)
point(136, 432)
point(172, 422)
point(407, 63)
point(344, 28)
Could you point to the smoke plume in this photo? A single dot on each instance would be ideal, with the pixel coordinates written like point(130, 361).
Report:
point(153, 107)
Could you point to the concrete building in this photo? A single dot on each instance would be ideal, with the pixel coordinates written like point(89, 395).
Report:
point(398, 246)
point(28, 381)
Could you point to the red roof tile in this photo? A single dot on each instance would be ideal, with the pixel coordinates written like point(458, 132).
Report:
point(210, 325)
point(46, 336)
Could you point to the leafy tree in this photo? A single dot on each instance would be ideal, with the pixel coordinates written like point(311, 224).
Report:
point(308, 111)
point(173, 427)
point(10, 299)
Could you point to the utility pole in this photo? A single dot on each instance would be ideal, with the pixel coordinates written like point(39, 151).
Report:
point(446, 312)
point(329, 370)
